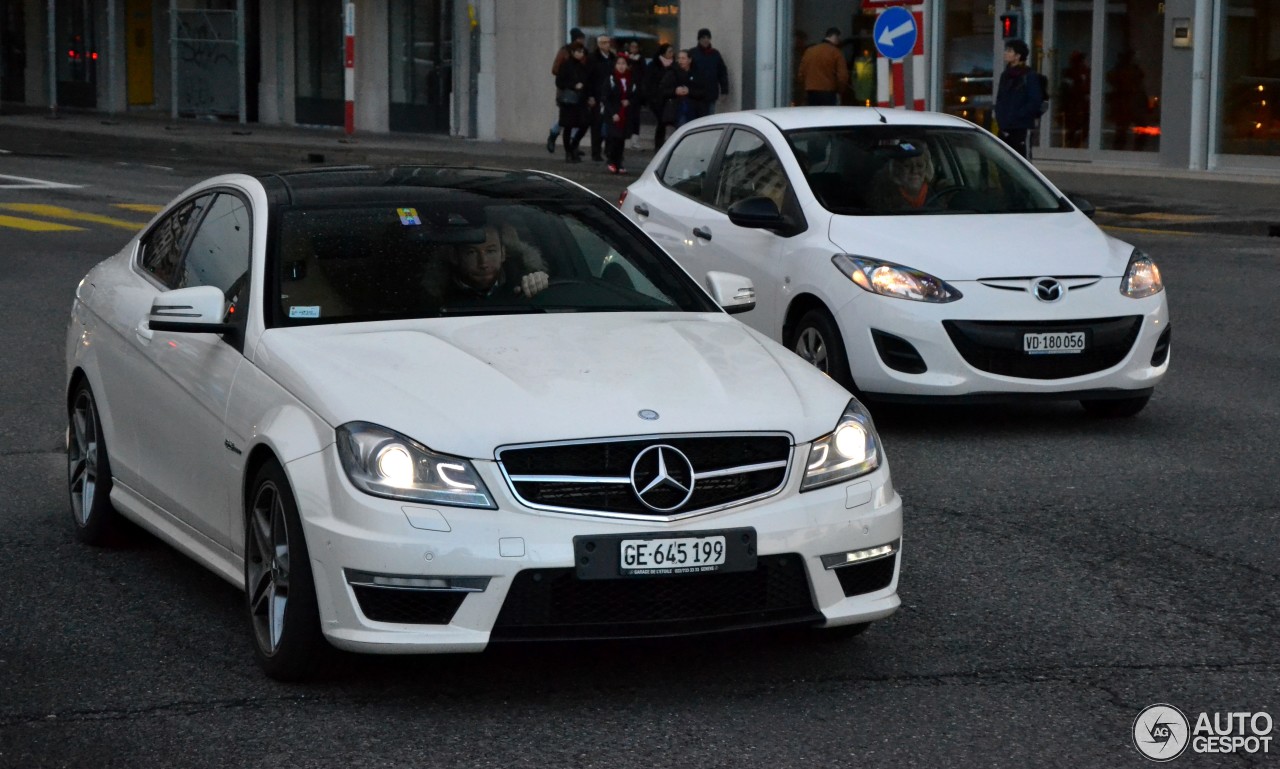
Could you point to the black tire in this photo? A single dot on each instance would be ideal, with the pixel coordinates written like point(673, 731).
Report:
point(816, 338)
point(1115, 409)
point(89, 471)
point(280, 591)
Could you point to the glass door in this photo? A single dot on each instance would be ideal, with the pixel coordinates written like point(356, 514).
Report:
point(421, 61)
point(318, 47)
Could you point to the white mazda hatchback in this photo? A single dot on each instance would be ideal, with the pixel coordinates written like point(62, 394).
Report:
point(910, 256)
point(421, 410)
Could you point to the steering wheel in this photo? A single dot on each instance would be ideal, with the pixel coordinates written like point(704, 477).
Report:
point(938, 196)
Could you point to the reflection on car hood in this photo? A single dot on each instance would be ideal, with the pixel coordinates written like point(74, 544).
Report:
point(960, 247)
point(467, 385)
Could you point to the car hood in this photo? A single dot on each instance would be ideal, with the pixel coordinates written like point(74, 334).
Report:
point(465, 386)
point(971, 246)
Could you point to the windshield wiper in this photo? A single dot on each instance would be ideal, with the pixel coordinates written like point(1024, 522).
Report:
point(491, 309)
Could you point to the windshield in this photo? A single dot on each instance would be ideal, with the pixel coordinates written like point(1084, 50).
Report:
point(437, 257)
point(893, 170)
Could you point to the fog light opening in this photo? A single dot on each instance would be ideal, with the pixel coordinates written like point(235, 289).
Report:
point(836, 560)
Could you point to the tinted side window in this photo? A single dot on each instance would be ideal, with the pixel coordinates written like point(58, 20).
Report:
point(162, 249)
point(686, 169)
point(750, 169)
point(219, 250)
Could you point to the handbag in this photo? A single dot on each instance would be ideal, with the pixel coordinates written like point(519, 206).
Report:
point(568, 97)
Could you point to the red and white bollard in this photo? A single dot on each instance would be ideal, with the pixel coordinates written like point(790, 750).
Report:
point(349, 72)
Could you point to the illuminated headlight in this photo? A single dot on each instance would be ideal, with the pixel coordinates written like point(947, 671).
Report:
point(385, 463)
point(1142, 277)
point(850, 450)
point(889, 279)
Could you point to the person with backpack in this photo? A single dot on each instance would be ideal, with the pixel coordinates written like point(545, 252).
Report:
point(1020, 98)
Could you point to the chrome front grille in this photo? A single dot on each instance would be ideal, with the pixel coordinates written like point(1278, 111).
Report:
point(655, 477)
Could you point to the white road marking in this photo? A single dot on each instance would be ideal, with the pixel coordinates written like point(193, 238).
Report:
point(24, 183)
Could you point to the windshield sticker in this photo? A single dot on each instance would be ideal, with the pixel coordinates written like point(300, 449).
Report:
point(408, 216)
point(305, 311)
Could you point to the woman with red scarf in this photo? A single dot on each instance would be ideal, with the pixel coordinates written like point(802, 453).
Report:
point(618, 100)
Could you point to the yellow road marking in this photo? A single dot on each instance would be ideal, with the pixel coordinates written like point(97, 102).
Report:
point(32, 225)
point(1147, 230)
point(1154, 216)
point(142, 208)
point(58, 212)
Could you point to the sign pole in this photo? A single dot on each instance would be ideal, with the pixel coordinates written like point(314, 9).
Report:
point(349, 72)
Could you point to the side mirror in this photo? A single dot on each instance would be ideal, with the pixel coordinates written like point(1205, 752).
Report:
point(733, 293)
point(759, 213)
point(1085, 206)
point(194, 310)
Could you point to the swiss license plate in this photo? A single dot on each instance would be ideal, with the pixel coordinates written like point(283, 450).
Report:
point(662, 555)
point(1055, 343)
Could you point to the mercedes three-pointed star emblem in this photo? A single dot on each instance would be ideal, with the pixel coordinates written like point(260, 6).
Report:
point(662, 477)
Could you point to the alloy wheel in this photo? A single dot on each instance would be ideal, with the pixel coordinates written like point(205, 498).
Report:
point(268, 567)
point(82, 457)
point(812, 347)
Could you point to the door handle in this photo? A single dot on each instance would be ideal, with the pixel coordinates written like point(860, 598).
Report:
point(641, 209)
point(702, 232)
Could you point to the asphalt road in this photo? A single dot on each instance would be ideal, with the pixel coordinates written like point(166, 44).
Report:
point(1060, 574)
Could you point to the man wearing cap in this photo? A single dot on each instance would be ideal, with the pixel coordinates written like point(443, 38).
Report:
point(575, 35)
point(1018, 98)
point(823, 71)
point(709, 70)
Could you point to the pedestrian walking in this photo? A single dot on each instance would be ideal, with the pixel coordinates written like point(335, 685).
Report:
point(617, 106)
point(657, 70)
point(1019, 98)
point(571, 97)
point(599, 67)
point(575, 36)
point(824, 73)
point(684, 94)
point(710, 71)
point(636, 61)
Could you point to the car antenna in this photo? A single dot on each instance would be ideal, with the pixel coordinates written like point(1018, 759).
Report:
point(881, 114)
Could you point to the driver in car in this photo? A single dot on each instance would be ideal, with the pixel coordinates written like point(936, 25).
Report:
point(904, 182)
point(503, 266)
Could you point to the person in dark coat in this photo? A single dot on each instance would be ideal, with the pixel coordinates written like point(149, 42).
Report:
point(617, 106)
point(1018, 98)
point(658, 68)
point(575, 36)
point(638, 65)
point(599, 66)
point(574, 113)
point(710, 71)
point(684, 94)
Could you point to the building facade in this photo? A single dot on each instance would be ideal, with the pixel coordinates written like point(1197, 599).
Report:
point(1179, 84)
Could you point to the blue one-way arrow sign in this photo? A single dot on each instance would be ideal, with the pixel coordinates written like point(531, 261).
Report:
point(895, 33)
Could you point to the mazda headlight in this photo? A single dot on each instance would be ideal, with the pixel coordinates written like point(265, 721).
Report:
point(1141, 277)
point(385, 463)
point(889, 279)
point(850, 450)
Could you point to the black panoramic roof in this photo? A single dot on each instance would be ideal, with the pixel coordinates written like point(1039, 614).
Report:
point(369, 184)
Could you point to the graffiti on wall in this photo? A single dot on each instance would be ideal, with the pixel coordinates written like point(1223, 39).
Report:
point(208, 63)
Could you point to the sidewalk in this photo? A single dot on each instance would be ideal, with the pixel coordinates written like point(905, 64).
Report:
point(1148, 198)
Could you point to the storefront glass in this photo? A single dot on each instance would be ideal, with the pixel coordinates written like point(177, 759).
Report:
point(77, 54)
point(1072, 78)
point(1133, 56)
point(1248, 121)
point(968, 87)
point(13, 51)
point(652, 22)
point(421, 62)
point(317, 40)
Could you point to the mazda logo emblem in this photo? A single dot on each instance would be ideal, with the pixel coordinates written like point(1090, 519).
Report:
point(1048, 289)
point(662, 477)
